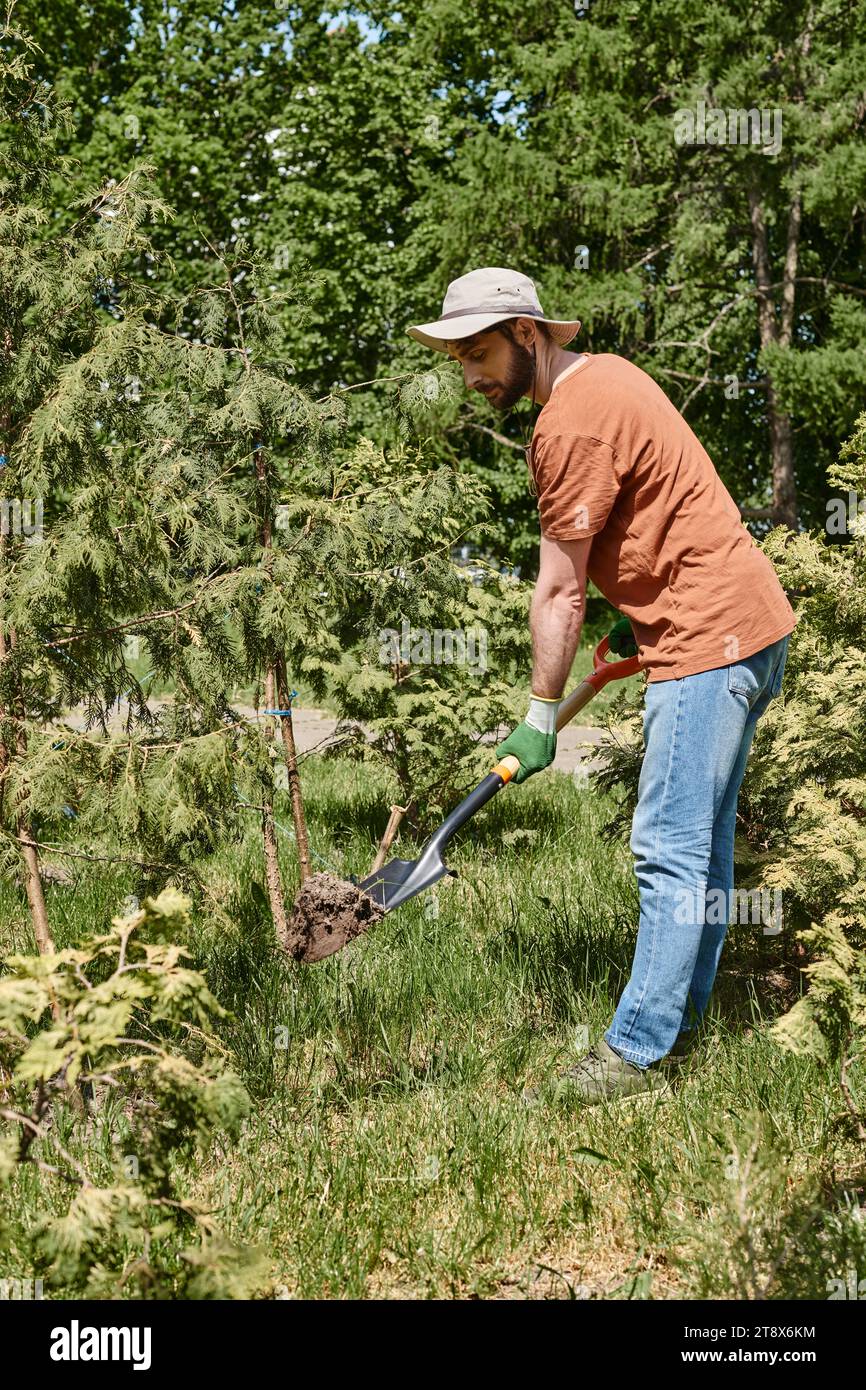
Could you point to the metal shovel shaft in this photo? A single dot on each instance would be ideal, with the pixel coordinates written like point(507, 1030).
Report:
point(402, 879)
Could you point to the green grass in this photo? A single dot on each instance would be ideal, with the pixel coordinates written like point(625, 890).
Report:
point(388, 1153)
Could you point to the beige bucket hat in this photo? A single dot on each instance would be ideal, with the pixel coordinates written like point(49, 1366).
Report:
point(482, 298)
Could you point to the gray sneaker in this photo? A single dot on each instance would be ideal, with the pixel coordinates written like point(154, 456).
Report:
point(600, 1075)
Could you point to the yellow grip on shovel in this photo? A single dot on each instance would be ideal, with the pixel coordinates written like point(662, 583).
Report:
point(507, 768)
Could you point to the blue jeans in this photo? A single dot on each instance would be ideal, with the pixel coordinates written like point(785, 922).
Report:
point(697, 735)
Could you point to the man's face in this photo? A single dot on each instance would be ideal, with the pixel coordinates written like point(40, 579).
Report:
point(495, 365)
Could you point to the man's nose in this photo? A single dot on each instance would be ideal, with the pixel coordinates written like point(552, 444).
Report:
point(472, 376)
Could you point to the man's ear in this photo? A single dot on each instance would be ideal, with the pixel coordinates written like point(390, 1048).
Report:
point(525, 333)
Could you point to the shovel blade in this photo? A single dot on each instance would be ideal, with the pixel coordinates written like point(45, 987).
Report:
point(402, 879)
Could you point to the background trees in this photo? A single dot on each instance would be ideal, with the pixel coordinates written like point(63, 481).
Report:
point(384, 152)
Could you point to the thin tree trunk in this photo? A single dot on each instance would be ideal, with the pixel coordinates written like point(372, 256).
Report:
point(397, 814)
point(273, 877)
point(35, 895)
point(770, 332)
point(30, 856)
point(269, 835)
point(781, 438)
point(277, 687)
point(292, 765)
point(23, 825)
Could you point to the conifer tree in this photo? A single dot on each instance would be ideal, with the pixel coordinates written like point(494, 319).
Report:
point(134, 519)
point(804, 808)
point(194, 500)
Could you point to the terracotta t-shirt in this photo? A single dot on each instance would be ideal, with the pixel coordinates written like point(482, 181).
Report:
point(612, 458)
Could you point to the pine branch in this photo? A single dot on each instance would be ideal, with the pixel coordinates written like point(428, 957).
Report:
point(150, 865)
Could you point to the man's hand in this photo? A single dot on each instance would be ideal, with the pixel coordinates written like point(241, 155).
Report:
point(533, 749)
point(621, 639)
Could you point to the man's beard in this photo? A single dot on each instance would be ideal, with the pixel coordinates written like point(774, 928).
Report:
point(518, 379)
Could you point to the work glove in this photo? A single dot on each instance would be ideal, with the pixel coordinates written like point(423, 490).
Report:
point(621, 639)
point(533, 742)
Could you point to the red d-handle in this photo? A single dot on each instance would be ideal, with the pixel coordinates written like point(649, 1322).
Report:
point(610, 670)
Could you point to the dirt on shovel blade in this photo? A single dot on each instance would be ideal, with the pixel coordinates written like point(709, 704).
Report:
point(329, 913)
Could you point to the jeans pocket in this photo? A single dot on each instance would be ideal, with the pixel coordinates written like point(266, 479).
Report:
point(750, 678)
point(742, 681)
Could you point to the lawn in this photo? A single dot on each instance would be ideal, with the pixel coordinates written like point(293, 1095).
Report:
point(388, 1153)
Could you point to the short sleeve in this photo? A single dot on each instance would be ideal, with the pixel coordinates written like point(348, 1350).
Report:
point(577, 483)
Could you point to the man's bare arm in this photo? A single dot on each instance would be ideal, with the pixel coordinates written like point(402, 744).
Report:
point(556, 614)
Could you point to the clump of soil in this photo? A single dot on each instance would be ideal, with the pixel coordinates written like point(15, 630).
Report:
point(329, 913)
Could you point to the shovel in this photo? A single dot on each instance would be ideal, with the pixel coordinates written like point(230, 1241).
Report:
point(401, 879)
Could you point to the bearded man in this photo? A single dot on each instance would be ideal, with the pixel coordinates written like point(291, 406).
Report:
point(628, 496)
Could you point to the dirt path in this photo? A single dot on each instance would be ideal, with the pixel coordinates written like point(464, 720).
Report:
point(314, 725)
point(314, 728)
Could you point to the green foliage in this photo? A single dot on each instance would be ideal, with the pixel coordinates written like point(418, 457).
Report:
point(379, 541)
point(376, 154)
point(812, 755)
point(433, 693)
point(112, 1075)
point(109, 424)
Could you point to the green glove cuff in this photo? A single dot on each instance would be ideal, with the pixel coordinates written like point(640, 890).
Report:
point(534, 750)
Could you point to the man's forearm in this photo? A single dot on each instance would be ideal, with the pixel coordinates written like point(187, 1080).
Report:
point(555, 624)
